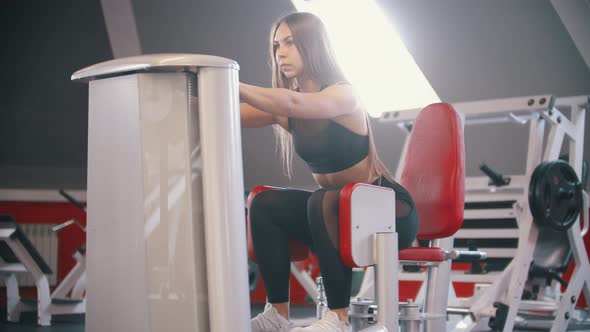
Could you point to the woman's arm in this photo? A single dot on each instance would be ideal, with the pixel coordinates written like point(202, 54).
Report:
point(331, 102)
point(250, 117)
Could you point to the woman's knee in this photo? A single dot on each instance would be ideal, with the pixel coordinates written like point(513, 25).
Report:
point(260, 209)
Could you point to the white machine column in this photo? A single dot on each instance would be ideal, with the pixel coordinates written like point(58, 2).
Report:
point(166, 243)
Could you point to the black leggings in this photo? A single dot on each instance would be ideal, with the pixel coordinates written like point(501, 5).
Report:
point(277, 216)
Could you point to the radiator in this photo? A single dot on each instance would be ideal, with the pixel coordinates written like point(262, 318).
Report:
point(45, 241)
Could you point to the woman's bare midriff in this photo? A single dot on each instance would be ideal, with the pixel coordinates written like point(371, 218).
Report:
point(361, 172)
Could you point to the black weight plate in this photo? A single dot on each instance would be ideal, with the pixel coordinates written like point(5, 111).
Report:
point(537, 208)
point(568, 193)
point(555, 195)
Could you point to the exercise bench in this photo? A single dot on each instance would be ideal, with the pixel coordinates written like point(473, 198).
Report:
point(18, 255)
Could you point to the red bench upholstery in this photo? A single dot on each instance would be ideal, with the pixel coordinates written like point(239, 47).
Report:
point(434, 174)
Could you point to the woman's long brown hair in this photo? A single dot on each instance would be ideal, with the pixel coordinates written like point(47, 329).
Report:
point(320, 65)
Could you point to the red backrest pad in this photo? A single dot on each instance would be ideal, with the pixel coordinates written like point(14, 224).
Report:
point(434, 171)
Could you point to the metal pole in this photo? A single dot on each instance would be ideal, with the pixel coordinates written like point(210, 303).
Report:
point(223, 194)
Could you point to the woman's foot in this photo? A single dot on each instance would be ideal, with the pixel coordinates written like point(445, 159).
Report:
point(330, 323)
point(270, 321)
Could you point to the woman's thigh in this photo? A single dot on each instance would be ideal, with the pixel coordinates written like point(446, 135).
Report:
point(282, 208)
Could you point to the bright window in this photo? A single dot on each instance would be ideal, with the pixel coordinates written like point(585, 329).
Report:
point(372, 55)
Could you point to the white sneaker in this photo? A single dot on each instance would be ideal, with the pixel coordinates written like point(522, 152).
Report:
point(330, 323)
point(270, 321)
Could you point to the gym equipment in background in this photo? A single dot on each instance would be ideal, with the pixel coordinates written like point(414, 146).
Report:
point(73, 286)
point(18, 255)
point(519, 285)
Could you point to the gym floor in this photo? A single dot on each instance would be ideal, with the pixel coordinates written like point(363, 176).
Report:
point(75, 323)
point(302, 315)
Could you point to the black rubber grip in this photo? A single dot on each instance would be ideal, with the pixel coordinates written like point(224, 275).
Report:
point(72, 200)
point(468, 256)
point(497, 179)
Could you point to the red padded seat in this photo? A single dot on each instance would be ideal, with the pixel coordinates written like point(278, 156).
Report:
point(422, 254)
point(434, 174)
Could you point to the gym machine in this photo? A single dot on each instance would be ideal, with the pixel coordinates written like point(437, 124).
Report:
point(546, 202)
point(166, 229)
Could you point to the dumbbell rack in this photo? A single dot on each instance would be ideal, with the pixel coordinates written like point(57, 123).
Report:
point(549, 128)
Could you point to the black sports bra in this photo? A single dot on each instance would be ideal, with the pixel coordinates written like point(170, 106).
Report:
point(330, 149)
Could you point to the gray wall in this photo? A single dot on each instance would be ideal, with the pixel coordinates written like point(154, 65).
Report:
point(468, 50)
point(43, 116)
point(474, 50)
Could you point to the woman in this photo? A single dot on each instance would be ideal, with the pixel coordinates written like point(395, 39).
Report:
point(317, 113)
